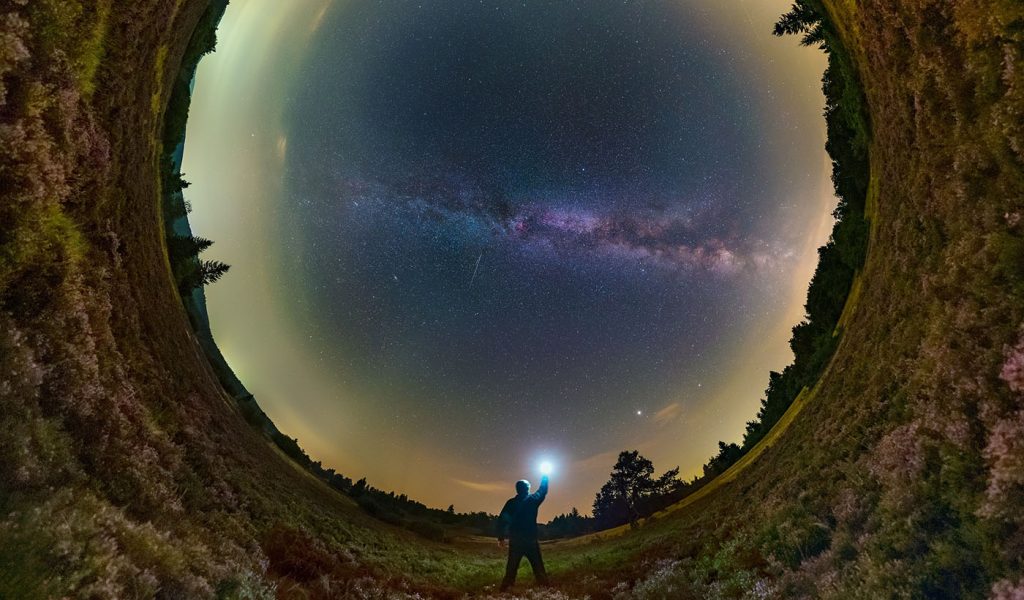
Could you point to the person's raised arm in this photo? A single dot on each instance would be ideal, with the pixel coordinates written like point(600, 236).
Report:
point(542, 491)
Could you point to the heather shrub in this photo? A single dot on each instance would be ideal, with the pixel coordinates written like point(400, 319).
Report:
point(536, 594)
point(71, 406)
point(1009, 250)
point(1006, 589)
point(74, 541)
point(1012, 371)
point(429, 530)
point(296, 555)
point(664, 579)
point(1004, 495)
point(794, 536)
point(713, 575)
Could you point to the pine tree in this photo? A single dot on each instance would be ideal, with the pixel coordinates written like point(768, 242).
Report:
point(802, 19)
point(211, 270)
point(181, 247)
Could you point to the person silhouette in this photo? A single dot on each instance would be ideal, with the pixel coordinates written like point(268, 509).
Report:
point(518, 524)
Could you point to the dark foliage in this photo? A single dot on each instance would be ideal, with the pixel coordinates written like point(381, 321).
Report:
point(568, 525)
point(632, 491)
point(183, 251)
point(290, 446)
point(189, 270)
point(816, 337)
point(431, 523)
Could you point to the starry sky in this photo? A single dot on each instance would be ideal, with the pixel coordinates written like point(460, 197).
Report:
point(468, 236)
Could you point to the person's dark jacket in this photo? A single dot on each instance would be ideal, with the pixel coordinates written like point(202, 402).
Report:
point(518, 518)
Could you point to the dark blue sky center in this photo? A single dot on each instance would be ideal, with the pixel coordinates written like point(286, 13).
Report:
point(515, 213)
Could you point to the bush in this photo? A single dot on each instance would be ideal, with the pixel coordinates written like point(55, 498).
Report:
point(429, 530)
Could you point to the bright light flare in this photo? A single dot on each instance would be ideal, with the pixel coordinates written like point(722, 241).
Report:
point(546, 467)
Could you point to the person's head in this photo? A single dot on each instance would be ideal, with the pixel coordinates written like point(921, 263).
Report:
point(522, 487)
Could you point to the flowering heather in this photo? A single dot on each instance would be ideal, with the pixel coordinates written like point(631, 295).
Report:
point(1013, 369)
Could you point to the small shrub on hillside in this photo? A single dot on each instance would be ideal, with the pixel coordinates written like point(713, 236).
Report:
point(717, 575)
point(1004, 452)
point(296, 555)
point(663, 580)
point(428, 530)
point(795, 537)
point(75, 541)
point(1012, 371)
point(1008, 590)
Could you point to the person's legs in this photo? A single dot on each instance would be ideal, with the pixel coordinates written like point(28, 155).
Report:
point(515, 556)
point(536, 562)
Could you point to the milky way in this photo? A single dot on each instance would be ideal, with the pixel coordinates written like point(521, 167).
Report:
point(586, 166)
point(514, 229)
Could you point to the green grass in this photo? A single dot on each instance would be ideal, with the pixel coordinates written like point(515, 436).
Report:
point(78, 28)
point(156, 99)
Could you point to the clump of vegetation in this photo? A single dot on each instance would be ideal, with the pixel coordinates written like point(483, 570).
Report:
point(567, 525)
point(632, 491)
point(189, 270)
point(431, 523)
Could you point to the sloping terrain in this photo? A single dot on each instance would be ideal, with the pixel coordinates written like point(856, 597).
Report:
point(126, 470)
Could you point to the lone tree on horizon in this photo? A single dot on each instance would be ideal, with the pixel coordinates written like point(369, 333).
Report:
point(632, 490)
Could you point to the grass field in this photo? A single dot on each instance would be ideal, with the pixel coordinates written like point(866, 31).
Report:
point(128, 472)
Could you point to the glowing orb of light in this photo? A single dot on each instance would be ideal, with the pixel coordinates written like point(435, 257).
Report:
point(546, 467)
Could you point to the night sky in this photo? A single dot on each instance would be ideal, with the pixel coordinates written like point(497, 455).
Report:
point(478, 234)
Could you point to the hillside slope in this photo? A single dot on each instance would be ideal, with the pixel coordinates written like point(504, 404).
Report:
point(128, 472)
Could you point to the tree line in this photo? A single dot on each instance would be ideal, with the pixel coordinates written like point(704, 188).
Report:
point(815, 339)
point(190, 271)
